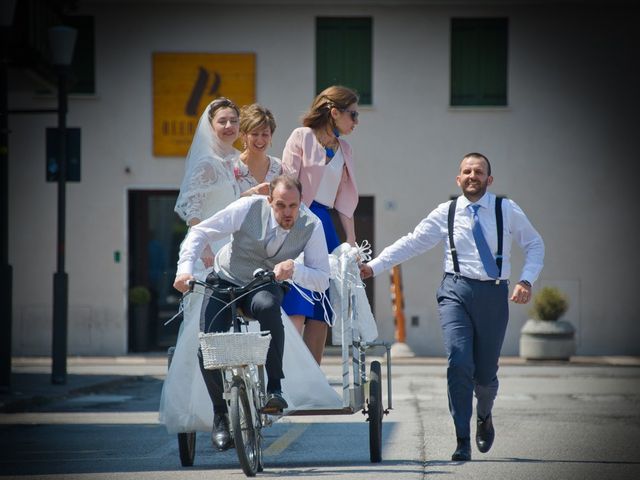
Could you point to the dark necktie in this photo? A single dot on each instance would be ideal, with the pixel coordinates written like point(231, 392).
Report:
point(488, 261)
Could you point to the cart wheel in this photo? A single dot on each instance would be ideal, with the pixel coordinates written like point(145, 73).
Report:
point(375, 413)
point(187, 447)
point(244, 433)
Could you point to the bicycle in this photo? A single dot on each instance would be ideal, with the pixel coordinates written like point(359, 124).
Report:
point(360, 391)
point(241, 357)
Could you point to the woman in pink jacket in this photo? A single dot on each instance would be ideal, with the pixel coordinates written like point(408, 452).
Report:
point(317, 155)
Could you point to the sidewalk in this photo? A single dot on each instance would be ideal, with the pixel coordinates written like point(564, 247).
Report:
point(31, 376)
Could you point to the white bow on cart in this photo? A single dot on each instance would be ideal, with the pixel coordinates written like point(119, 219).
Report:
point(348, 297)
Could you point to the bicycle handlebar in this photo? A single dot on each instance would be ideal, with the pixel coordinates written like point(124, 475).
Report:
point(260, 277)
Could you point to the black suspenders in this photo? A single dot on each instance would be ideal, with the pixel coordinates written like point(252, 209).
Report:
point(450, 218)
point(454, 253)
point(500, 233)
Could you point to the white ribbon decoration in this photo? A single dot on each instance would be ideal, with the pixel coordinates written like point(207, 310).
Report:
point(364, 250)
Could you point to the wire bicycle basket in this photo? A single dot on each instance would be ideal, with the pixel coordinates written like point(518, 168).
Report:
point(234, 349)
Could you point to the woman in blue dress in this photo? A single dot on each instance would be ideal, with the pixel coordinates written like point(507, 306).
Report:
point(318, 156)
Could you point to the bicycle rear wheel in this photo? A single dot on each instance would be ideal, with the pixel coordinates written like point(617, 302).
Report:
point(375, 413)
point(244, 430)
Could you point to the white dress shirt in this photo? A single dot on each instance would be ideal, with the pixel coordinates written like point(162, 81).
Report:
point(312, 271)
point(330, 181)
point(433, 229)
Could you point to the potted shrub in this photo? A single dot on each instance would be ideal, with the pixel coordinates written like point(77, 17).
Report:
point(545, 336)
point(139, 295)
point(139, 299)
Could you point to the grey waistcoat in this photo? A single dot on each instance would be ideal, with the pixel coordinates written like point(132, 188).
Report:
point(237, 260)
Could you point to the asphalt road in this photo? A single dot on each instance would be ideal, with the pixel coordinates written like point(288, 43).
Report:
point(553, 422)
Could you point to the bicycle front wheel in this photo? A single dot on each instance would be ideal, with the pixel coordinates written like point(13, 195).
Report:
point(245, 435)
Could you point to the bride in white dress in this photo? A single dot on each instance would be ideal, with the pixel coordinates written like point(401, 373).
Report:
point(208, 186)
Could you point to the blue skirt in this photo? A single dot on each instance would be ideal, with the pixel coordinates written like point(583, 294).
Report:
point(294, 303)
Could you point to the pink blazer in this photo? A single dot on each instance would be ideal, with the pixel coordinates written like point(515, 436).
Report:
point(304, 157)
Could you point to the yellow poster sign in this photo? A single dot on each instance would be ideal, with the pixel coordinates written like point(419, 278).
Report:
point(185, 83)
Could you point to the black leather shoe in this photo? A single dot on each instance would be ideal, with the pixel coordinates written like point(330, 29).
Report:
point(220, 436)
point(275, 402)
point(463, 452)
point(485, 434)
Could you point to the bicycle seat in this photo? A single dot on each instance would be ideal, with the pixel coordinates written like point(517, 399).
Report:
point(213, 278)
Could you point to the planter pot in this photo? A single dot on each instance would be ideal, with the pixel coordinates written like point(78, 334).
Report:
point(140, 319)
point(547, 340)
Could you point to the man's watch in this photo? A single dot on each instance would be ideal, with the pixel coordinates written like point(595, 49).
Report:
point(526, 283)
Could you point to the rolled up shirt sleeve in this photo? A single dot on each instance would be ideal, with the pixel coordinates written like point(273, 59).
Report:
point(425, 236)
point(312, 270)
point(530, 241)
point(223, 223)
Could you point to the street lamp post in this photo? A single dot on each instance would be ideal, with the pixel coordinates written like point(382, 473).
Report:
point(6, 292)
point(62, 40)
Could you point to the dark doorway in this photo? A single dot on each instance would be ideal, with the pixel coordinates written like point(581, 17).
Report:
point(155, 234)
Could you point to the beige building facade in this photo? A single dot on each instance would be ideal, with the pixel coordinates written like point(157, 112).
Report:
point(562, 147)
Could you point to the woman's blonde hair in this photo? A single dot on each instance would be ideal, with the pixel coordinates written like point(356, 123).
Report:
point(256, 116)
point(319, 114)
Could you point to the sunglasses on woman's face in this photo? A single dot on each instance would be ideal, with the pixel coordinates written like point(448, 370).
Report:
point(354, 114)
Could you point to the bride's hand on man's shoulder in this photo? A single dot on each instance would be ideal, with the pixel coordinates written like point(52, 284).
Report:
point(262, 189)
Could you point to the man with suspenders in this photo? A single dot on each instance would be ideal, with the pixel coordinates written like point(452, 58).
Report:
point(477, 229)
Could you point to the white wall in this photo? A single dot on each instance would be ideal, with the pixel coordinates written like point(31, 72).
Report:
point(561, 150)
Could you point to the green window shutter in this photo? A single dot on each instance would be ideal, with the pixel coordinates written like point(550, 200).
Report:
point(479, 61)
point(343, 54)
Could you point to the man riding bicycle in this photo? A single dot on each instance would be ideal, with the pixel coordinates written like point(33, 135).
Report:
point(267, 233)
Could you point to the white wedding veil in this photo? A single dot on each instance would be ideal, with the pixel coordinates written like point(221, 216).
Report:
point(208, 184)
